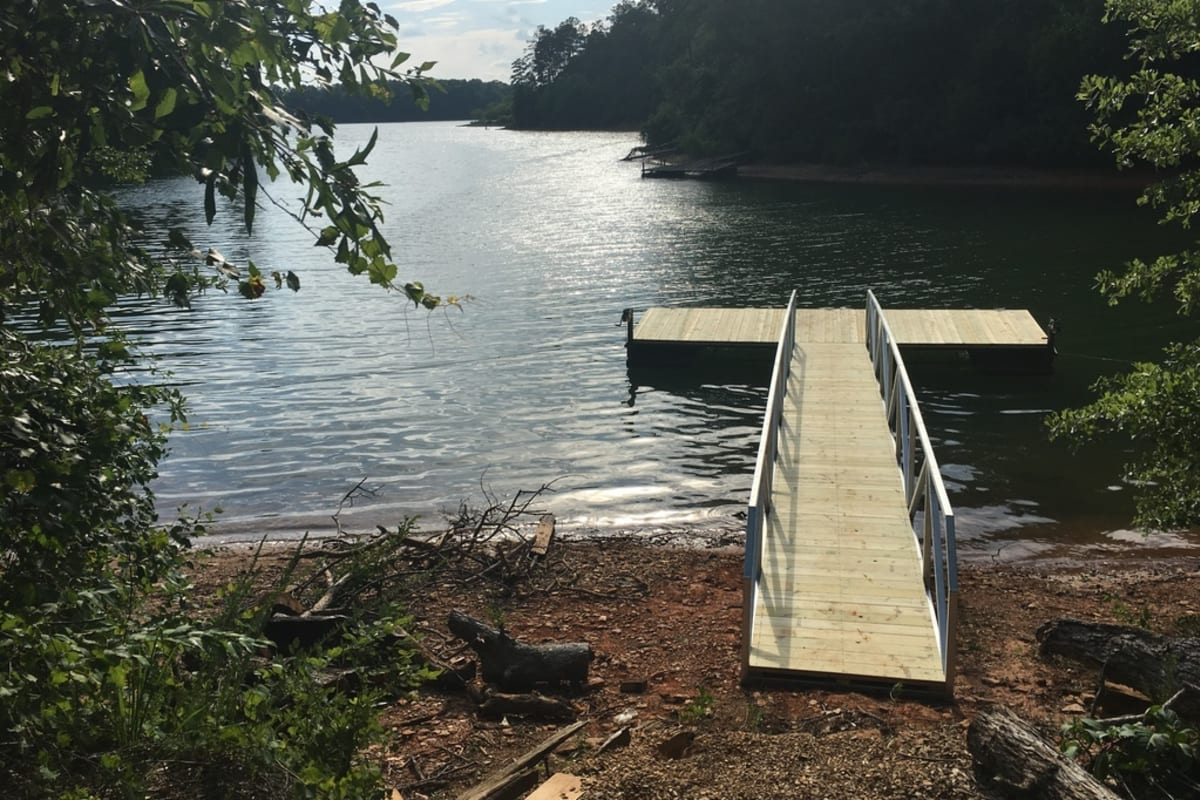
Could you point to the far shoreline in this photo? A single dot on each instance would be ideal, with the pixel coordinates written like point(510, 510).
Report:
point(974, 176)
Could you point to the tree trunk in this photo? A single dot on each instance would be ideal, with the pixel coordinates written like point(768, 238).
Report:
point(515, 666)
point(1012, 758)
point(1156, 665)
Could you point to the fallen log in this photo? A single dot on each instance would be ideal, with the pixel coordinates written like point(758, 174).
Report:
point(515, 666)
point(1013, 759)
point(1156, 665)
point(498, 780)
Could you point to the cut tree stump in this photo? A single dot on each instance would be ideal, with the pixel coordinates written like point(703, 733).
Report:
point(515, 666)
point(1012, 758)
point(1156, 665)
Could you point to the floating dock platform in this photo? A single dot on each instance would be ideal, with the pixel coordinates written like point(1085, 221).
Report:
point(999, 339)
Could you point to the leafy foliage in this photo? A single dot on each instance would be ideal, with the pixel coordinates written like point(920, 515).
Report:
point(77, 454)
point(1154, 408)
point(1149, 118)
point(1151, 757)
point(105, 671)
point(97, 697)
point(103, 90)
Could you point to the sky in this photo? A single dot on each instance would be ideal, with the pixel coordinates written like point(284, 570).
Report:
point(480, 38)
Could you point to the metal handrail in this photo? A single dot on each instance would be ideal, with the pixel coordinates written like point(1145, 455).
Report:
point(923, 486)
point(760, 491)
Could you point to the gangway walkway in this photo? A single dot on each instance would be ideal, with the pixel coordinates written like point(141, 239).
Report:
point(839, 585)
point(851, 573)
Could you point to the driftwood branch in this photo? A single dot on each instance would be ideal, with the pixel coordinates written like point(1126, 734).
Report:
point(1012, 758)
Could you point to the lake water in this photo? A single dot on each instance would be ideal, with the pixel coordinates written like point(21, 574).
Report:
point(296, 397)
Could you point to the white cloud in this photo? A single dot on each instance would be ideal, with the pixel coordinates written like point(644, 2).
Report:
point(485, 53)
point(478, 38)
point(421, 5)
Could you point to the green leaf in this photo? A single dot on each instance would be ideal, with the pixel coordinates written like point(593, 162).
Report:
point(21, 481)
point(249, 188)
point(117, 676)
point(328, 236)
point(39, 112)
point(293, 281)
point(177, 239)
point(210, 198)
point(166, 103)
point(177, 288)
point(140, 90)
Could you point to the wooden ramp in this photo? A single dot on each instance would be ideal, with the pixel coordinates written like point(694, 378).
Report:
point(840, 594)
point(851, 572)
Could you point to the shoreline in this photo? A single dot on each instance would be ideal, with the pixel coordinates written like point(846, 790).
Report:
point(1114, 555)
point(667, 622)
point(982, 177)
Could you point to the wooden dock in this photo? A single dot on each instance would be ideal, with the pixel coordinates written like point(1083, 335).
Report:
point(851, 573)
point(706, 169)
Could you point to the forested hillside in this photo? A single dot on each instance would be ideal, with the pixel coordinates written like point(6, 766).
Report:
point(455, 99)
point(834, 81)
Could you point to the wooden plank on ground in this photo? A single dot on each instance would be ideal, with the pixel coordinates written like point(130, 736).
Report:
point(561, 786)
point(504, 776)
point(543, 536)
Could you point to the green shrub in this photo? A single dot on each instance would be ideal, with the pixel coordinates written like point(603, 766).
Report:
point(1155, 756)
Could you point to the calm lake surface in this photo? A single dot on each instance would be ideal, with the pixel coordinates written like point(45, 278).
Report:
point(296, 397)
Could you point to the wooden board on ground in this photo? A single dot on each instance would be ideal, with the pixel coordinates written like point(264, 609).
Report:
point(543, 536)
point(561, 786)
point(501, 779)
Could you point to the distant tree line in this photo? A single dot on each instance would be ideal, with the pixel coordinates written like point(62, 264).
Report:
point(455, 100)
point(833, 81)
